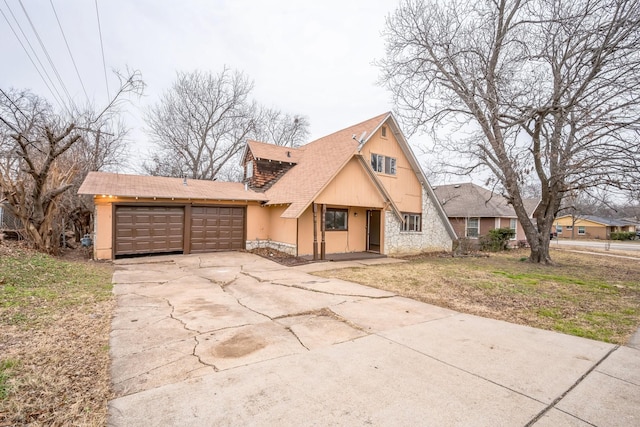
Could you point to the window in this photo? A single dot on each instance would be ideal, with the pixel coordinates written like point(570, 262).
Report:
point(249, 170)
point(513, 225)
point(582, 230)
point(383, 131)
point(473, 227)
point(383, 164)
point(559, 229)
point(569, 227)
point(336, 219)
point(412, 222)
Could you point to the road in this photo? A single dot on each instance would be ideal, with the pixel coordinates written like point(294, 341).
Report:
point(598, 244)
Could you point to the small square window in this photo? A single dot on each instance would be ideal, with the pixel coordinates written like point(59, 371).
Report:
point(582, 230)
point(412, 222)
point(336, 219)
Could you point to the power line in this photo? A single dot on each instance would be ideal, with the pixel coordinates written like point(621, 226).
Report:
point(69, 50)
point(104, 64)
point(54, 92)
point(44, 49)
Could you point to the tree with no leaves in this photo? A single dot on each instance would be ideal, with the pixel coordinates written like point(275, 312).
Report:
point(533, 90)
point(43, 155)
point(201, 124)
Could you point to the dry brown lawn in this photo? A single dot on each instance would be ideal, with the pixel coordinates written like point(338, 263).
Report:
point(591, 296)
point(55, 318)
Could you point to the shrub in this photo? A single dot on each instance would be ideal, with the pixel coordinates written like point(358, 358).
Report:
point(622, 235)
point(497, 239)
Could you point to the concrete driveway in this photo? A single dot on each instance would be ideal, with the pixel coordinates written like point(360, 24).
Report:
point(231, 339)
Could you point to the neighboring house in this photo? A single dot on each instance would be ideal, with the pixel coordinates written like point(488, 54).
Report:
point(359, 189)
point(590, 226)
point(474, 210)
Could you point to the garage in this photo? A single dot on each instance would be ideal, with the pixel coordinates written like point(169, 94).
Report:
point(148, 229)
point(161, 229)
point(217, 228)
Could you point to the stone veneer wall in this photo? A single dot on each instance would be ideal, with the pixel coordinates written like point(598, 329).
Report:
point(270, 244)
point(433, 237)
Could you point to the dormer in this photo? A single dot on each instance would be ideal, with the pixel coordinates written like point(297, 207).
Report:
point(265, 163)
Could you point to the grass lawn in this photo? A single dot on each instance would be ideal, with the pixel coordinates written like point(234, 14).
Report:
point(590, 296)
point(54, 326)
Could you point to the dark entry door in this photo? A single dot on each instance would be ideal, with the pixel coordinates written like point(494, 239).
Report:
point(373, 231)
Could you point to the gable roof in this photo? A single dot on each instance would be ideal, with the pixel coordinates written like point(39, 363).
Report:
point(320, 162)
point(265, 151)
point(471, 200)
point(609, 222)
point(122, 185)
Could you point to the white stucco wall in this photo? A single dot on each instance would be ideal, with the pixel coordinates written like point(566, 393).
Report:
point(433, 237)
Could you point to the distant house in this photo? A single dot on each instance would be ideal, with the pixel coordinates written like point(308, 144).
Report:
point(358, 189)
point(590, 227)
point(474, 210)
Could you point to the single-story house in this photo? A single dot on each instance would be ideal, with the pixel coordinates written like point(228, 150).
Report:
point(474, 210)
point(358, 189)
point(590, 227)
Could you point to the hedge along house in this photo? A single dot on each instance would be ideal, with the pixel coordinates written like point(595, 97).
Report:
point(359, 189)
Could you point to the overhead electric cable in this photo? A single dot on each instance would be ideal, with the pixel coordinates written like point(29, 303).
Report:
point(54, 91)
point(69, 50)
point(44, 49)
point(104, 64)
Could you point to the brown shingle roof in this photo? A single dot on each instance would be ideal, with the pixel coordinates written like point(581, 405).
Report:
point(262, 150)
point(162, 187)
point(470, 200)
point(319, 163)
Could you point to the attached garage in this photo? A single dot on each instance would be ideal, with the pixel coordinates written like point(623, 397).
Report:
point(148, 229)
point(217, 228)
point(139, 215)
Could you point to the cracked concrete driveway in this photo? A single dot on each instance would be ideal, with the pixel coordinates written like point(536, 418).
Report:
point(235, 339)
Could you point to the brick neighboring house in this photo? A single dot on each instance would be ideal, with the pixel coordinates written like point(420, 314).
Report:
point(590, 227)
point(474, 210)
point(358, 189)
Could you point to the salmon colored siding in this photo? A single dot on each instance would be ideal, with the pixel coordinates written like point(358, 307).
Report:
point(352, 240)
point(103, 227)
point(351, 187)
point(404, 187)
point(258, 222)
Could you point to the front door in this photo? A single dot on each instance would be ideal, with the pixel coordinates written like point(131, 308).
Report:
point(373, 231)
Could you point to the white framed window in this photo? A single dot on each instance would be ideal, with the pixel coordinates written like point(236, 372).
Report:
point(559, 229)
point(582, 230)
point(383, 164)
point(513, 225)
point(249, 169)
point(473, 227)
point(411, 222)
point(569, 227)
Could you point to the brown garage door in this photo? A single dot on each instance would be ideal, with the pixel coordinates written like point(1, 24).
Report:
point(217, 228)
point(148, 229)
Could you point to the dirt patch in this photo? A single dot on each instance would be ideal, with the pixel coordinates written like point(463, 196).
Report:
point(282, 258)
point(239, 345)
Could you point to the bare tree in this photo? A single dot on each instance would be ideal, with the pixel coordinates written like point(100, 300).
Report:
point(275, 127)
point(41, 158)
point(543, 91)
point(201, 124)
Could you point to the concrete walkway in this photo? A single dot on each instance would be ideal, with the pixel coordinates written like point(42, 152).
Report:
point(233, 339)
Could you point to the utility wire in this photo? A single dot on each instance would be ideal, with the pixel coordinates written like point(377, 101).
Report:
point(44, 49)
point(54, 91)
point(69, 50)
point(104, 64)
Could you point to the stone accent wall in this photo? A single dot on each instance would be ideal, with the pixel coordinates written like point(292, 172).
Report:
point(433, 237)
point(287, 248)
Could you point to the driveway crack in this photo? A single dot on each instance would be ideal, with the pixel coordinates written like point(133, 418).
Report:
point(337, 294)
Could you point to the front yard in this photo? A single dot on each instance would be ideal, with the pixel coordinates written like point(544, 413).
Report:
point(55, 317)
point(584, 295)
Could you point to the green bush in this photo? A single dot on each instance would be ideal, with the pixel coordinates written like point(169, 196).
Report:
point(497, 240)
point(623, 235)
